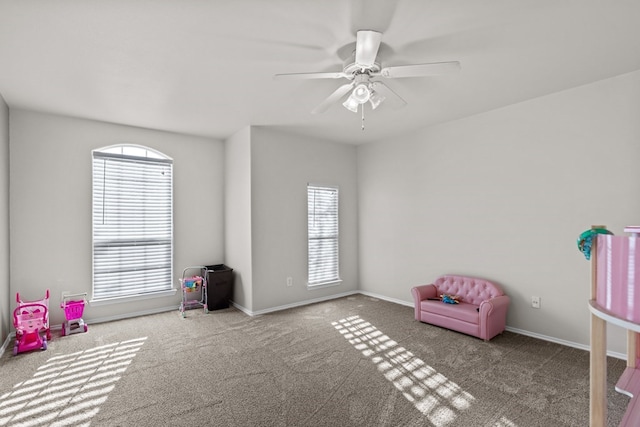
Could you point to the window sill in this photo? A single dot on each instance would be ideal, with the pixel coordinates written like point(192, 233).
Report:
point(119, 300)
point(323, 285)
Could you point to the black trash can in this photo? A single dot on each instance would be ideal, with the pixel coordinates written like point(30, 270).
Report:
point(219, 286)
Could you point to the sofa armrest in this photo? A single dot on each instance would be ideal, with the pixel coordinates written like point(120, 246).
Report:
point(421, 293)
point(494, 306)
point(493, 316)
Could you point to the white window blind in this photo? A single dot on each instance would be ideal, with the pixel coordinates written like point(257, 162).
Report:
point(132, 225)
point(322, 207)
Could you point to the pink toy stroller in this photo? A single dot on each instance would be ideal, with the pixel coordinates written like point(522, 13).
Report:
point(27, 306)
point(29, 321)
point(73, 309)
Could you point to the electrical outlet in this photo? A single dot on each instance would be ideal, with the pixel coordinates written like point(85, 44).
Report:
point(535, 302)
point(289, 281)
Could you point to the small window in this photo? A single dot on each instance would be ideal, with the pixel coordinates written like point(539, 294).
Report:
point(323, 236)
point(132, 222)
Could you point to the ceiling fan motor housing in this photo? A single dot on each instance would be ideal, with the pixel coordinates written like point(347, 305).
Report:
point(351, 68)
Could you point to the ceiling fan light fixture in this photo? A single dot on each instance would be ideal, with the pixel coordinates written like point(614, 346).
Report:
point(351, 104)
point(361, 93)
point(375, 99)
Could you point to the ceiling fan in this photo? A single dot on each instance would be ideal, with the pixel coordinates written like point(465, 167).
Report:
point(363, 70)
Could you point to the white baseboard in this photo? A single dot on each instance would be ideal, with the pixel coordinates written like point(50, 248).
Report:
point(514, 330)
point(397, 301)
point(7, 342)
point(563, 342)
point(134, 314)
point(293, 305)
point(248, 312)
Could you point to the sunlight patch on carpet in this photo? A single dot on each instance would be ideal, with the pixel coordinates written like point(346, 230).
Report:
point(428, 390)
point(68, 389)
point(504, 422)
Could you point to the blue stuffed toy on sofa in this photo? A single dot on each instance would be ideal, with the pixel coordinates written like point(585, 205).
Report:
point(449, 299)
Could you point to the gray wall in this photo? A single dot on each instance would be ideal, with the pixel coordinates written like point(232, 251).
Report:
point(501, 195)
point(281, 166)
point(6, 307)
point(504, 195)
point(237, 211)
point(50, 205)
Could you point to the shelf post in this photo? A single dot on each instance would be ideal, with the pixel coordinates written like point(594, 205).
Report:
point(598, 354)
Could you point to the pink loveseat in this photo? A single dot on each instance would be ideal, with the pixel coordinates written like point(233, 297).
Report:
point(482, 311)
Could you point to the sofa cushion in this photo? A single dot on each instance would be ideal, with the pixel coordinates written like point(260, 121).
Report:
point(463, 311)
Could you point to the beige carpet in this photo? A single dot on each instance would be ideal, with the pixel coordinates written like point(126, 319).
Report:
point(354, 361)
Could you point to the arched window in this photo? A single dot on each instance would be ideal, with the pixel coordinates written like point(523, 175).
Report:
point(132, 222)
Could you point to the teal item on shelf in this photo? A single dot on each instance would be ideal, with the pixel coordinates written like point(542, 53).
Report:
point(585, 240)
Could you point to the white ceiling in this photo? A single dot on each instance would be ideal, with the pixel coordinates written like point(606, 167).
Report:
point(206, 67)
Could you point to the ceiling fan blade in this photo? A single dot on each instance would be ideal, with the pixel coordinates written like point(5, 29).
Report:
point(367, 45)
point(334, 97)
point(307, 76)
point(391, 98)
point(420, 70)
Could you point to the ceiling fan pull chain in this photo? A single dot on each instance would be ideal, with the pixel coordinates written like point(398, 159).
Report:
point(362, 116)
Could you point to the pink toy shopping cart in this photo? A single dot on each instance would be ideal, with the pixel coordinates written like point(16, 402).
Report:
point(29, 321)
point(73, 309)
point(27, 306)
